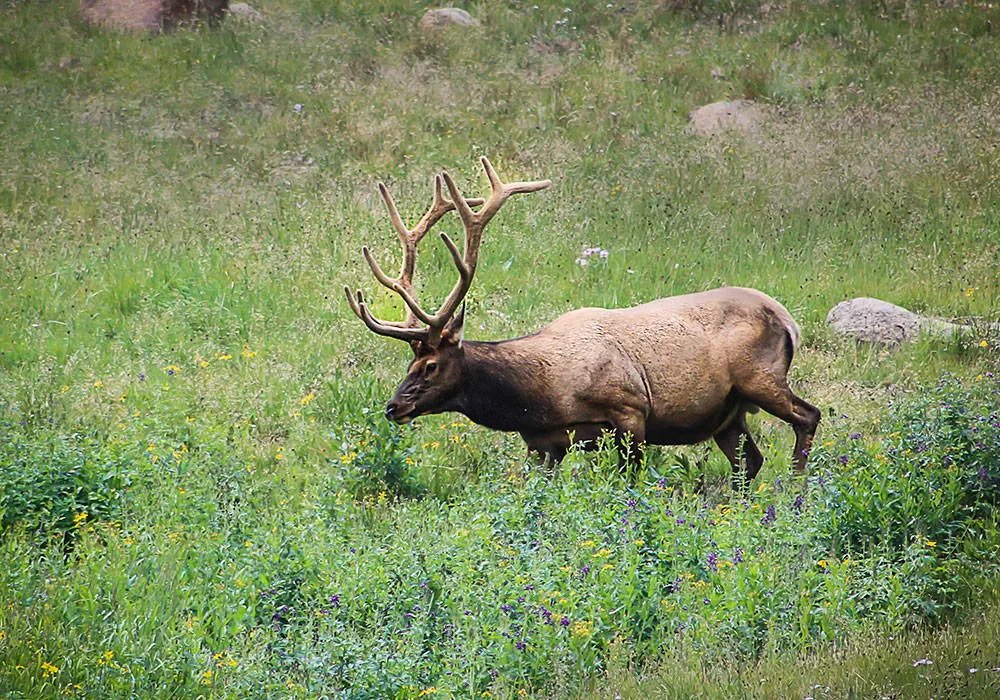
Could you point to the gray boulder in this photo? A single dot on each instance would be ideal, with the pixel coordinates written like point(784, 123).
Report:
point(877, 321)
point(743, 116)
point(445, 17)
point(150, 15)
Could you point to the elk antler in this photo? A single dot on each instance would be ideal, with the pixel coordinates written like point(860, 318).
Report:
point(474, 224)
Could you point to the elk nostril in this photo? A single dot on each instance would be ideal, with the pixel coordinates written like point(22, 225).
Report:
point(390, 411)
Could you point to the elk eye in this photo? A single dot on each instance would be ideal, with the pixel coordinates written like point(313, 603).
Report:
point(430, 367)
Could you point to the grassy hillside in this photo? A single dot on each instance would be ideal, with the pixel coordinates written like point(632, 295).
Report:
point(198, 493)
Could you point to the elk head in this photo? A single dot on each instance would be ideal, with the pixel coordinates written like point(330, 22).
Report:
point(434, 377)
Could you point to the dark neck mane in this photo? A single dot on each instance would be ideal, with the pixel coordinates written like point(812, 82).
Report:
point(503, 387)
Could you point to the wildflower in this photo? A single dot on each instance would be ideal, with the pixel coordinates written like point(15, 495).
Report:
point(334, 600)
point(279, 455)
point(206, 677)
point(738, 556)
point(601, 553)
point(922, 662)
point(564, 621)
point(930, 543)
point(49, 669)
point(247, 352)
point(581, 629)
point(970, 291)
point(769, 516)
point(80, 518)
point(521, 645)
point(843, 459)
point(98, 384)
point(984, 343)
point(855, 436)
point(713, 561)
point(798, 503)
point(427, 691)
point(821, 563)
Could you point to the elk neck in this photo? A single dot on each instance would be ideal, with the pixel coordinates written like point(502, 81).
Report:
point(503, 386)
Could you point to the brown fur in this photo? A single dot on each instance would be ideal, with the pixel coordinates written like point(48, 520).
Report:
point(673, 371)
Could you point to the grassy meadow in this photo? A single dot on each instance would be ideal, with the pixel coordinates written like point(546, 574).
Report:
point(200, 497)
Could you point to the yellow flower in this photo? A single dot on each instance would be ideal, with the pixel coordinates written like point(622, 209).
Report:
point(821, 563)
point(930, 543)
point(206, 677)
point(247, 352)
point(427, 691)
point(984, 343)
point(600, 553)
point(98, 384)
point(970, 291)
point(582, 628)
point(279, 455)
point(223, 356)
point(106, 658)
point(79, 518)
point(49, 669)
point(307, 399)
point(639, 542)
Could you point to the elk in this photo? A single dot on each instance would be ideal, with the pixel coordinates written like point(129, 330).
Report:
point(674, 371)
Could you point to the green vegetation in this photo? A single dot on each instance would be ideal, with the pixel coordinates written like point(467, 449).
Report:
point(199, 494)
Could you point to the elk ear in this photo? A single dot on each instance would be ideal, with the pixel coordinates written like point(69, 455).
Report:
point(420, 348)
point(456, 326)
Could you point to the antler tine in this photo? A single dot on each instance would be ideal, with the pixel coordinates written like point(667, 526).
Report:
point(500, 191)
point(474, 222)
point(360, 309)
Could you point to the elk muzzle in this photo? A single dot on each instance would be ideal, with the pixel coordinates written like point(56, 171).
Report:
point(399, 411)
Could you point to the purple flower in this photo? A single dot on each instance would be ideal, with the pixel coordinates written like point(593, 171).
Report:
point(584, 570)
point(769, 516)
point(981, 473)
point(334, 600)
point(564, 621)
point(675, 585)
point(713, 561)
point(507, 608)
point(738, 556)
point(843, 459)
point(520, 645)
point(798, 503)
point(142, 376)
point(855, 436)
point(546, 613)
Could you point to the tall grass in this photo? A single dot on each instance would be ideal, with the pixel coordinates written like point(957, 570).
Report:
point(199, 494)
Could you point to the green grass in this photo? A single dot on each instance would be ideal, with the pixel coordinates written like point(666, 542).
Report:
point(178, 362)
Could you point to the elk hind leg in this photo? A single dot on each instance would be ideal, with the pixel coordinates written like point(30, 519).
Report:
point(737, 444)
point(769, 390)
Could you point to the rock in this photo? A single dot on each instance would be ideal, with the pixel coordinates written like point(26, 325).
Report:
point(445, 17)
point(739, 115)
point(877, 321)
point(150, 15)
point(244, 12)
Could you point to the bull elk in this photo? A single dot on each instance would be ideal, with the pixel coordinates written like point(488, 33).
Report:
point(674, 371)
